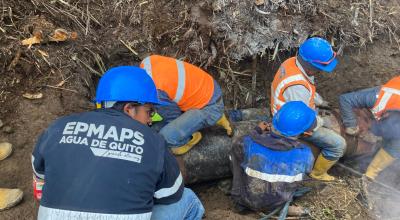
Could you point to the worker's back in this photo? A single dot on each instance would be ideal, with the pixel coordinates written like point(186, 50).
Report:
point(267, 170)
point(104, 162)
point(189, 86)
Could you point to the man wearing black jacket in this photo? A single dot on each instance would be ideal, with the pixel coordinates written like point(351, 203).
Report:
point(107, 163)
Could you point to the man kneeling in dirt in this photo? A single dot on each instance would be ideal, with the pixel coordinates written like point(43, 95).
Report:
point(294, 81)
point(384, 103)
point(269, 163)
point(194, 97)
point(107, 163)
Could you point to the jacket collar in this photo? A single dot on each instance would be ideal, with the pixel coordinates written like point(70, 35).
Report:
point(310, 78)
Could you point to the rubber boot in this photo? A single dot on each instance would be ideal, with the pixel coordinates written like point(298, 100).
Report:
point(224, 122)
point(9, 198)
point(381, 160)
point(196, 137)
point(5, 150)
point(321, 167)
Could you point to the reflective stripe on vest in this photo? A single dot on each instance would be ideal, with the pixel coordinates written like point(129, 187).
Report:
point(147, 66)
point(381, 105)
point(181, 81)
point(180, 89)
point(281, 85)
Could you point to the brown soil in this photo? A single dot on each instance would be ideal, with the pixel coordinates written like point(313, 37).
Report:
point(182, 29)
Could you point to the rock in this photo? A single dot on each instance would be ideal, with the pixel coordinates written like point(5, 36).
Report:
point(297, 211)
point(38, 95)
point(1, 123)
point(8, 129)
point(225, 186)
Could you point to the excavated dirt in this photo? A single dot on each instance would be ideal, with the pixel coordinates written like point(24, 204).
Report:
point(224, 36)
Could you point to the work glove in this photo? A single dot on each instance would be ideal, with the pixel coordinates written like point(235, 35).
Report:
point(325, 105)
point(353, 131)
point(263, 127)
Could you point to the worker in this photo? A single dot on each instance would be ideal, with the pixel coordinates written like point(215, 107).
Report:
point(384, 103)
point(194, 97)
point(294, 81)
point(107, 163)
point(8, 197)
point(269, 164)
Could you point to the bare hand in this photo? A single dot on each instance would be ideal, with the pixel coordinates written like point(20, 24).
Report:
point(265, 126)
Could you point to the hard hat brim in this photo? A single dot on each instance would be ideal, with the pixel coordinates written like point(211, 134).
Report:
point(158, 102)
point(326, 68)
point(162, 103)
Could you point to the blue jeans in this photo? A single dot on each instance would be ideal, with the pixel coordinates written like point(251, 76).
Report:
point(332, 145)
point(392, 146)
point(177, 127)
point(188, 207)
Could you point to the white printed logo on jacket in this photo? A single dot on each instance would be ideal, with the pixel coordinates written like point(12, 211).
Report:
point(105, 141)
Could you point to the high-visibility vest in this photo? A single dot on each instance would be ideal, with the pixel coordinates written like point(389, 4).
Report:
point(388, 98)
point(187, 85)
point(287, 75)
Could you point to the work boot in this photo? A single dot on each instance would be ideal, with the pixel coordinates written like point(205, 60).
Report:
point(9, 198)
point(196, 137)
point(381, 160)
point(5, 150)
point(224, 122)
point(321, 167)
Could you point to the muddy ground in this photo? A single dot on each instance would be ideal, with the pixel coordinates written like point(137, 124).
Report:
point(66, 74)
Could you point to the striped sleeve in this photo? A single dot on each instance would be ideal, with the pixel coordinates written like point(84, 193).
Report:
point(170, 186)
point(37, 158)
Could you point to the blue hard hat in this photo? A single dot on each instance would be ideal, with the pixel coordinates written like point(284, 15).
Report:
point(294, 118)
point(319, 53)
point(127, 83)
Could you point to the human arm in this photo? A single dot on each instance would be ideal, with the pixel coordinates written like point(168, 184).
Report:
point(38, 167)
point(388, 127)
point(365, 98)
point(170, 186)
point(319, 101)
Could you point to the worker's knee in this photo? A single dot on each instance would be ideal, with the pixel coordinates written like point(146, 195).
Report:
point(336, 148)
point(332, 145)
point(188, 207)
point(174, 136)
point(341, 145)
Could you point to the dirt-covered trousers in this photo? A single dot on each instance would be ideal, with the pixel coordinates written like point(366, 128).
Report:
point(177, 127)
point(332, 145)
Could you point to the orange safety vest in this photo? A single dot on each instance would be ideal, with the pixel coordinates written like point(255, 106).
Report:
point(187, 85)
point(287, 75)
point(388, 98)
